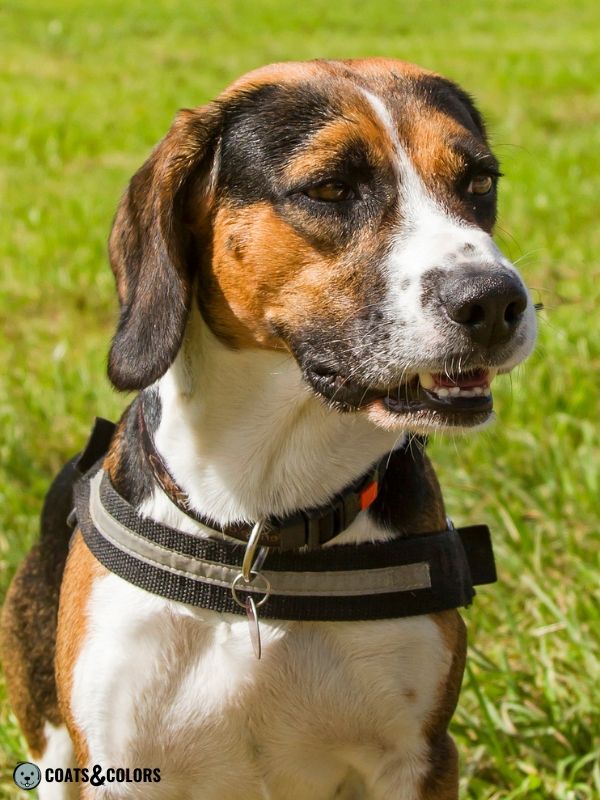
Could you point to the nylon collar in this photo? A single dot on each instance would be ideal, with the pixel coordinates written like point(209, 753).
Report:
point(311, 527)
point(403, 577)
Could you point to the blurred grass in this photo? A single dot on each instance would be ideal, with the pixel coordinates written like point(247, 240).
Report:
point(88, 88)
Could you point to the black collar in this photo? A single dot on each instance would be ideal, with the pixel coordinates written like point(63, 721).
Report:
point(403, 577)
point(311, 527)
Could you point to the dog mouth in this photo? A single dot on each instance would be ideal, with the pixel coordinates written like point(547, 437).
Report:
point(425, 400)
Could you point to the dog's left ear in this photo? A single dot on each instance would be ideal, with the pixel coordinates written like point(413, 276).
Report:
point(150, 250)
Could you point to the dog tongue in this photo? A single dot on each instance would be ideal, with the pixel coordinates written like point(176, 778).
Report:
point(465, 380)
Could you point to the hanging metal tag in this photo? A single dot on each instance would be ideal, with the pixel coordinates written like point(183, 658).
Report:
point(253, 626)
point(248, 579)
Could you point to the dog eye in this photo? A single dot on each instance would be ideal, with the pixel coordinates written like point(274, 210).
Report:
point(333, 192)
point(481, 184)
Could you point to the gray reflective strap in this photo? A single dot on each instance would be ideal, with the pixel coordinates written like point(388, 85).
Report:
point(343, 583)
point(346, 583)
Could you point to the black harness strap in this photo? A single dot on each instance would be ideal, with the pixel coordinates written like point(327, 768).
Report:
point(399, 578)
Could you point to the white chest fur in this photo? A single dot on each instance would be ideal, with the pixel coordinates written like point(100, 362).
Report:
point(330, 705)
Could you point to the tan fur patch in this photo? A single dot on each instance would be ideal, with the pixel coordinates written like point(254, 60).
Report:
point(264, 273)
point(81, 570)
point(429, 134)
point(357, 122)
point(280, 73)
point(441, 782)
point(385, 69)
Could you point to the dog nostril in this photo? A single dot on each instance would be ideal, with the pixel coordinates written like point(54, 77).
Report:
point(474, 315)
point(514, 311)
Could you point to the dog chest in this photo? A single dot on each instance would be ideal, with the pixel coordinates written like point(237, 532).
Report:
point(163, 685)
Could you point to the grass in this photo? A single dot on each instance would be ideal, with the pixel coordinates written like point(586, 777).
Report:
point(88, 87)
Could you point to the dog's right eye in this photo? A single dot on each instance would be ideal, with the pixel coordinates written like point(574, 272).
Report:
point(332, 192)
point(481, 184)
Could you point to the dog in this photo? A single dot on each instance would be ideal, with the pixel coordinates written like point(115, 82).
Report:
point(306, 277)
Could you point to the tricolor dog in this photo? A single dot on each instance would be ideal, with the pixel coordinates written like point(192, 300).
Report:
point(307, 282)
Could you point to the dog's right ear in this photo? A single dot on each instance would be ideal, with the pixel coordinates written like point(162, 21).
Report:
point(150, 250)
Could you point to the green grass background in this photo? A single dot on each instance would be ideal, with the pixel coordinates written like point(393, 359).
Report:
point(86, 89)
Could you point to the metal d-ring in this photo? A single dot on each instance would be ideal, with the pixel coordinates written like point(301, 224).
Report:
point(253, 541)
point(253, 576)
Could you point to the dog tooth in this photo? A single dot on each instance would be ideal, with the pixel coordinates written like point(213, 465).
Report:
point(442, 392)
point(455, 390)
point(478, 390)
point(426, 380)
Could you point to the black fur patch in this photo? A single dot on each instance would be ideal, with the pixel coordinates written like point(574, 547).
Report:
point(450, 99)
point(28, 634)
point(261, 130)
point(150, 252)
point(410, 499)
point(132, 477)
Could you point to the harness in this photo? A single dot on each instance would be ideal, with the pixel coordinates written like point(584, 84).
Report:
point(260, 568)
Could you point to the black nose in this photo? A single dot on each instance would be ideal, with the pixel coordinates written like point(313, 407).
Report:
point(488, 304)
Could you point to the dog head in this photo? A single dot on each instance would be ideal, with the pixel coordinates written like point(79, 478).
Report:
point(341, 211)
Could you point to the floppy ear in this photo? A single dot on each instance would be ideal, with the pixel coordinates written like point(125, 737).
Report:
point(149, 251)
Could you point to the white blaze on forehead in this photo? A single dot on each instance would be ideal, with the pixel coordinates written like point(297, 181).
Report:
point(411, 188)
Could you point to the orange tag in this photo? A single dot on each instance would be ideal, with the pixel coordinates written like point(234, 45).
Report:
point(368, 495)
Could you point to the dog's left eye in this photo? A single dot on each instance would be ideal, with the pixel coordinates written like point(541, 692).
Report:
point(333, 192)
point(481, 184)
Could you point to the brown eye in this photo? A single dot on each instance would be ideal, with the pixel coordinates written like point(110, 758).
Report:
point(330, 192)
point(481, 184)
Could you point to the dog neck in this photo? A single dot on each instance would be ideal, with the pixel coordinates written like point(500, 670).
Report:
point(244, 437)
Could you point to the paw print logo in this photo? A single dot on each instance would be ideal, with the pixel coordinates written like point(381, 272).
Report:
point(27, 775)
